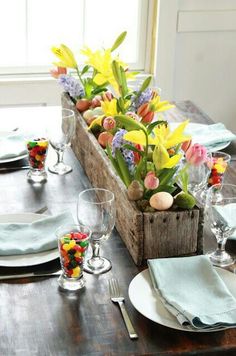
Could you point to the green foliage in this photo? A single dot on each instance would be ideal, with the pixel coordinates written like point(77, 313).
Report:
point(118, 41)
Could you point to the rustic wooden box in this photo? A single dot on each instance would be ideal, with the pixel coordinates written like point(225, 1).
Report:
point(146, 235)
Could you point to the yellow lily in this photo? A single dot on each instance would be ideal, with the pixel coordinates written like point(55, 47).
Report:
point(97, 121)
point(160, 134)
point(101, 60)
point(109, 107)
point(156, 105)
point(66, 57)
point(161, 158)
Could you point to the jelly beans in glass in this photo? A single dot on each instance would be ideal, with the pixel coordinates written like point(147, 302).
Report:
point(73, 242)
point(60, 135)
point(220, 161)
point(96, 209)
point(37, 152)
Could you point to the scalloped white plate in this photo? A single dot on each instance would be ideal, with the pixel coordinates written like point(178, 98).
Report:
point(29, 259)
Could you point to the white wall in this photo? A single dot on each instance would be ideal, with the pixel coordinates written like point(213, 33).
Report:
point(196, 55)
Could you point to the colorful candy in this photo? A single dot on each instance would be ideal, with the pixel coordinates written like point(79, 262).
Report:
point(72, 248)
point(218, 168)
point(37, 149)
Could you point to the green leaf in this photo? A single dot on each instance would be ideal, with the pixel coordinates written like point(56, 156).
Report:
point(116, 72)
point(166, 175)
point(161, 188)
point(98, 90)
point(132, 148)
point(139, 169)
point(85, 69)
point(154, 124)
point(124, 88)
point(114, 162)
point(145, 84)
point(118, 41)
point(123, 168)
point(129, 123)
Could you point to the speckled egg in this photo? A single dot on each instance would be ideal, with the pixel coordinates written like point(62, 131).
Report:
point(161, 201)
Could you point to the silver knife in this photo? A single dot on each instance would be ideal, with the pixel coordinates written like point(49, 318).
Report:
point(6, 169)
point(31, 274)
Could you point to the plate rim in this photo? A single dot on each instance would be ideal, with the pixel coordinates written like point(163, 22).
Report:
point(47, 256)
point(12, 159)
point(177, 326)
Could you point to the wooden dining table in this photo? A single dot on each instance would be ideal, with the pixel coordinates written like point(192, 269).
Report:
point(37, 318)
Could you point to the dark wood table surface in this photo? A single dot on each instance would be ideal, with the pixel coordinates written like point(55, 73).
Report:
point(36, 318)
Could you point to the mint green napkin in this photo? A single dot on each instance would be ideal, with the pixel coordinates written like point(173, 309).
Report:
point(12, 146)
point(210, 135)
point(38, 236)
point(193, 292)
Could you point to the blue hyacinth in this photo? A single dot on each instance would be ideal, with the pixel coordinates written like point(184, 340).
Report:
point(71, 85)
point(144, 97)
point(117, 144)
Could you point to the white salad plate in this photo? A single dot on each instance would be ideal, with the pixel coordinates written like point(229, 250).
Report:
point(147, 301)
point(28, 259)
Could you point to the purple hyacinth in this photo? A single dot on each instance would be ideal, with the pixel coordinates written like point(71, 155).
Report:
point(117, 144)
point(144, 97)
point(71, 85)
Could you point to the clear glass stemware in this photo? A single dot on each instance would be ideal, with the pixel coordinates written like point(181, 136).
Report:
point(96, 209)
point(221, 214)
point(60, 138)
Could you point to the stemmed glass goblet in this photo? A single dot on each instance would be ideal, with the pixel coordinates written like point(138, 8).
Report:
point(96, 209)
point(221, 215)
point(60, 137)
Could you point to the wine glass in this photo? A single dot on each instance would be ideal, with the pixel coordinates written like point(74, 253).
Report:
point(60, 137)
point(221, 214)
point(198, 177)
point(96, 209)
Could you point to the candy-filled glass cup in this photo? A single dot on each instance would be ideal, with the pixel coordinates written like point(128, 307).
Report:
point(37, 148)
point(73, 241)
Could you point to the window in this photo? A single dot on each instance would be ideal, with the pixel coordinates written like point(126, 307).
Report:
point(28, 29)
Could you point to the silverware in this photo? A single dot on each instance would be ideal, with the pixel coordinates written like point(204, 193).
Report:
point(31, 274)
point(118, 298)
point(6, 169)
point(41, 210)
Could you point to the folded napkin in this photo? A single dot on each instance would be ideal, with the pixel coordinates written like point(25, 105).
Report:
point(38, 236)
point(210, 135)
point(193, 292)
point(12, 146)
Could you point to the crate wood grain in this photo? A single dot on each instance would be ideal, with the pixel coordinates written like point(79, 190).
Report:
point(146, 235)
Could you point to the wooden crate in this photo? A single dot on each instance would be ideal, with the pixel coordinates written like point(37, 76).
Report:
point(146, 235)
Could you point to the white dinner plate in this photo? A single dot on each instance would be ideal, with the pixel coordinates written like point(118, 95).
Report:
point(146, 300)
point(29, 259)
point(12, 159)
point(195, 139)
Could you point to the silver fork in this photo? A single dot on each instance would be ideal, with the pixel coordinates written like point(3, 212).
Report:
point(118, 298)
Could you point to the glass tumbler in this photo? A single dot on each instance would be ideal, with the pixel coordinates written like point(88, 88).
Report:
point(37, 152)
point(73, 241)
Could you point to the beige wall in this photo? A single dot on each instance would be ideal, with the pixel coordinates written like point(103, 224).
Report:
point(196, 55)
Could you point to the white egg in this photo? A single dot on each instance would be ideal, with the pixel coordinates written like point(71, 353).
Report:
point(161, 201)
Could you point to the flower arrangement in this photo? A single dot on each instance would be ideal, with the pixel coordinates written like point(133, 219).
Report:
point(143, 150)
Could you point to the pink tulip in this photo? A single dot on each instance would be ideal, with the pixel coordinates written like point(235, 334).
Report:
point(109, 123)
point(196, 154)
point(151, 181)
point(133, 115)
